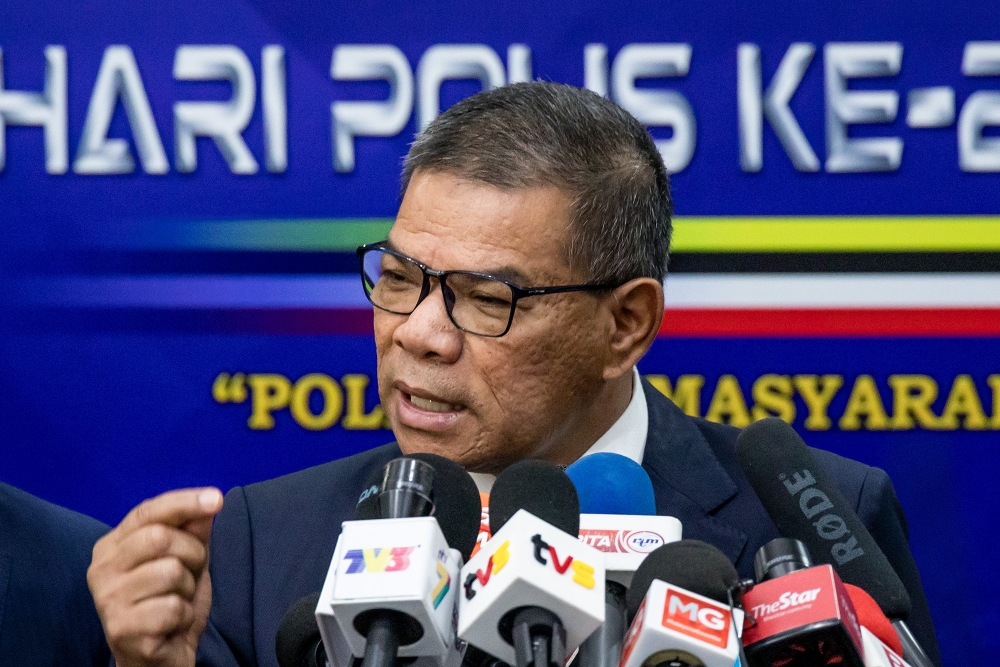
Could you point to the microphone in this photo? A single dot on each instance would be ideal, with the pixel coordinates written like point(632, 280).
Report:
point(533, 592)
point(871, 618)
point(390, 590)
point(801, 615)
point(609, 483)
point(679, 609)
point(615, 493)
point(806, 504)
point(298, 642)
point(882, 647)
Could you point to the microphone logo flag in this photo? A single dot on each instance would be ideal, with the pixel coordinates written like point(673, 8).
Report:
point(496, 562)
point(529, 562)
point(633, 634)
point(674, 626)
point(622, 541)
point(395, 559)
point(696, 617)
point(443, 584)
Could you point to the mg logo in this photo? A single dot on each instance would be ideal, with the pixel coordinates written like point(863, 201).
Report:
point(700, 619)
point(395, 559)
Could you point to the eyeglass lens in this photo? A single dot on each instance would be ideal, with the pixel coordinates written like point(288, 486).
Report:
point(476, 303)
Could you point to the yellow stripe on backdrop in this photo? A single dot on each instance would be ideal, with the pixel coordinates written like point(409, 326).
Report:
point(837, 234)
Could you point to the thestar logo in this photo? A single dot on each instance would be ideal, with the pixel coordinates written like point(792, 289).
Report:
point(395, 559)
point(785, 600)
point(583, 573)
point(697, 618)
point(496, 562)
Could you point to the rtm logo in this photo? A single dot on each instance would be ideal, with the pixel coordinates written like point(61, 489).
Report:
point(583, 573)
point(830, 526)
point(395, 559)
point(784, 601)
point(443, 585)
point(621, 541)
point(495, 563)
point(700, 619)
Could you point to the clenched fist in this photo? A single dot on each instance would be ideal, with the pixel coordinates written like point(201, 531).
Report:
point(150, 580)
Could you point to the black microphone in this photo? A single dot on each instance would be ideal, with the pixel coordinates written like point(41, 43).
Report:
point(298, 643)
point(410, 487)
point(456, 517)
point(533, 592)
point(679, 609)
point(805, 504)
point(545, 491)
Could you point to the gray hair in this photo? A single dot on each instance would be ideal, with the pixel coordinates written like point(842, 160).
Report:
point(550, 134)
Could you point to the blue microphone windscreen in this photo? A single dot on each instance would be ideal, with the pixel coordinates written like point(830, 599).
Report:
point(612, 484)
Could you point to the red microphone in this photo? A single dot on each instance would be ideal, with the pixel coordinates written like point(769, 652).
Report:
point(882, 645)
point(799, 615)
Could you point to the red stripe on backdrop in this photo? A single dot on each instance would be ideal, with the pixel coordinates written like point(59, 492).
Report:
point(696, 322)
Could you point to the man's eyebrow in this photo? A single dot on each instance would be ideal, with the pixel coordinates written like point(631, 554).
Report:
point(509, 273)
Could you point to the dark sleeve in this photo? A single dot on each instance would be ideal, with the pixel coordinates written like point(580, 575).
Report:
point(228, 639)
point(881, 512)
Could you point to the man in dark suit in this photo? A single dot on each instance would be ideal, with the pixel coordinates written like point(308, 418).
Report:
point(47, 616)
point(521, 283)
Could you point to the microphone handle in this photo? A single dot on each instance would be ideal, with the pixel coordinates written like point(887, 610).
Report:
point(383, 642)
point(603, 648)
point(912, 651)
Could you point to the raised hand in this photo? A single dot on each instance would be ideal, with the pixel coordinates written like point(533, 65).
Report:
point(150, 582)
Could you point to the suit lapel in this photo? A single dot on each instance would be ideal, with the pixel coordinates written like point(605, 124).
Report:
point(689, 483)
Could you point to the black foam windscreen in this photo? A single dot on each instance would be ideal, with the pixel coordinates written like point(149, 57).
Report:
point(541, 488)
point(693, 565)
point(457, 505)
point(806, 505)
point(298, 636)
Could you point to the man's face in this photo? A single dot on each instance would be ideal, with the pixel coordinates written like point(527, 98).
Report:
point(487, 402)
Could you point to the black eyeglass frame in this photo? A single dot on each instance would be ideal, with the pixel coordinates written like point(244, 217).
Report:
point(517, 292)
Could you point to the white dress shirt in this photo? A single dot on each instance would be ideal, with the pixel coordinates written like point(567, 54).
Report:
point(627, 436)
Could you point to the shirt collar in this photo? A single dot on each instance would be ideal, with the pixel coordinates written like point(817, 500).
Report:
point(627, 436)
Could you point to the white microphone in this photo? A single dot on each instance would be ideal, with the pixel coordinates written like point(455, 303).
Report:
point(877, 653)
point(626, 540)
point(391, 587)
point(681, 619)
point(402, 568)
point(534, 592)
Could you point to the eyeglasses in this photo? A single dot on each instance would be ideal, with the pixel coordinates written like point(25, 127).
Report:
point(476, 303)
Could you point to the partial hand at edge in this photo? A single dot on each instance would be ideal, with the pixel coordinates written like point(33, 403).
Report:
point(150, 581)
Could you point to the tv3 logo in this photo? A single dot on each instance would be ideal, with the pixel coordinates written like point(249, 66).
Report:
point(496, 562)
point(395, 559)
point(583, 573)
point(700, 619)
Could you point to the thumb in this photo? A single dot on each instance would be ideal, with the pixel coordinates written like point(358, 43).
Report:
point(202, 603)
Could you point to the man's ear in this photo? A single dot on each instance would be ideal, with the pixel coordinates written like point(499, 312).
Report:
point(637, 310)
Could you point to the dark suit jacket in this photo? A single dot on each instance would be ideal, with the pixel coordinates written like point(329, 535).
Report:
point(273, 541)
point(47, 617)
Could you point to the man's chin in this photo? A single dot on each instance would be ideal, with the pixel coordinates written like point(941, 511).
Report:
point(452, 448)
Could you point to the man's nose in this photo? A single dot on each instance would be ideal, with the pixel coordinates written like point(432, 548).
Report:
point(428, 332)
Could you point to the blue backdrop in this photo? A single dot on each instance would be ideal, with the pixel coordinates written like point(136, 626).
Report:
point(154, 321)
